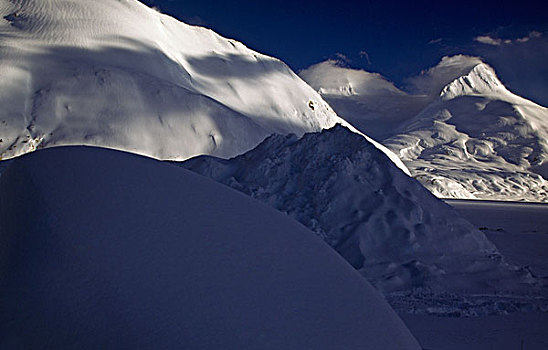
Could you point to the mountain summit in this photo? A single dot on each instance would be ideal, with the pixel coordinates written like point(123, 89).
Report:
point(481, 80)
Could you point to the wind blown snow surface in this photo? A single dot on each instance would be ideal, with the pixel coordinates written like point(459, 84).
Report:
point(105, 249)
point(464, 135)
point(416, 249)
point(119, 74)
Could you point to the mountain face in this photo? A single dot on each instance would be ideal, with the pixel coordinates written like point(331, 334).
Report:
point(389, 227)
point(464, 136)
point(121, 75)
point(103, 249)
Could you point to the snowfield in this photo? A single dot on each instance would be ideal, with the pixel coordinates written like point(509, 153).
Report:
point(463, 135)
point(520, 232)
point(118, 74)
point(105, 249)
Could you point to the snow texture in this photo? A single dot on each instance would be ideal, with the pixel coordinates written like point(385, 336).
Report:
point(105, 249)
point(390, 228)
point(464, 135)
point(121, 75)
point(118, 74)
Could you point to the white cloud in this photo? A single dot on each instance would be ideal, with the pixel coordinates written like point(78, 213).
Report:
point(435, 41)
point(486, 39)
point(531, 35)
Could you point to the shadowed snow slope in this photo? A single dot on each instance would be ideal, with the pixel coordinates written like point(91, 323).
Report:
point(120, 75)
point(105, 249)
point(389, 227)
point(466, 136)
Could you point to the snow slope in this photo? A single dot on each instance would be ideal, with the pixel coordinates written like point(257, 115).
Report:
point(464, 136)
point(118, 74)
point(397, 234)
point(121, 75)
point(105, 249)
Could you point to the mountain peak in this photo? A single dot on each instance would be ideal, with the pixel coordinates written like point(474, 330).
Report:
point(480, 80)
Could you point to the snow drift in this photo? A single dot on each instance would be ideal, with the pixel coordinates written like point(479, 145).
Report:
point(389, 227)
point(104, 249)
point(464, 135)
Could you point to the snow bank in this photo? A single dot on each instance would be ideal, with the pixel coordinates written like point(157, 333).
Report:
point(389, 227)
point(104, 249)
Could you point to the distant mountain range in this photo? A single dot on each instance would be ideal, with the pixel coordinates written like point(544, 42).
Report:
point(462, 133)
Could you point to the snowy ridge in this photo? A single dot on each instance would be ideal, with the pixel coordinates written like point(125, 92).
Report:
point(480, 80)
point(463, 136)
point(105, 249)
point(385, 224)
point(119, 74)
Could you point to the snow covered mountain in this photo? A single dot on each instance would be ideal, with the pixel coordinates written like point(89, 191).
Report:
point(105, 249)
point(366, 100)
point(389, 227)
point(464, 136)
point(121, 75)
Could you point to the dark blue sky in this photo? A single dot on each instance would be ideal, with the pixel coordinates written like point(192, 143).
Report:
point(395, 38)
